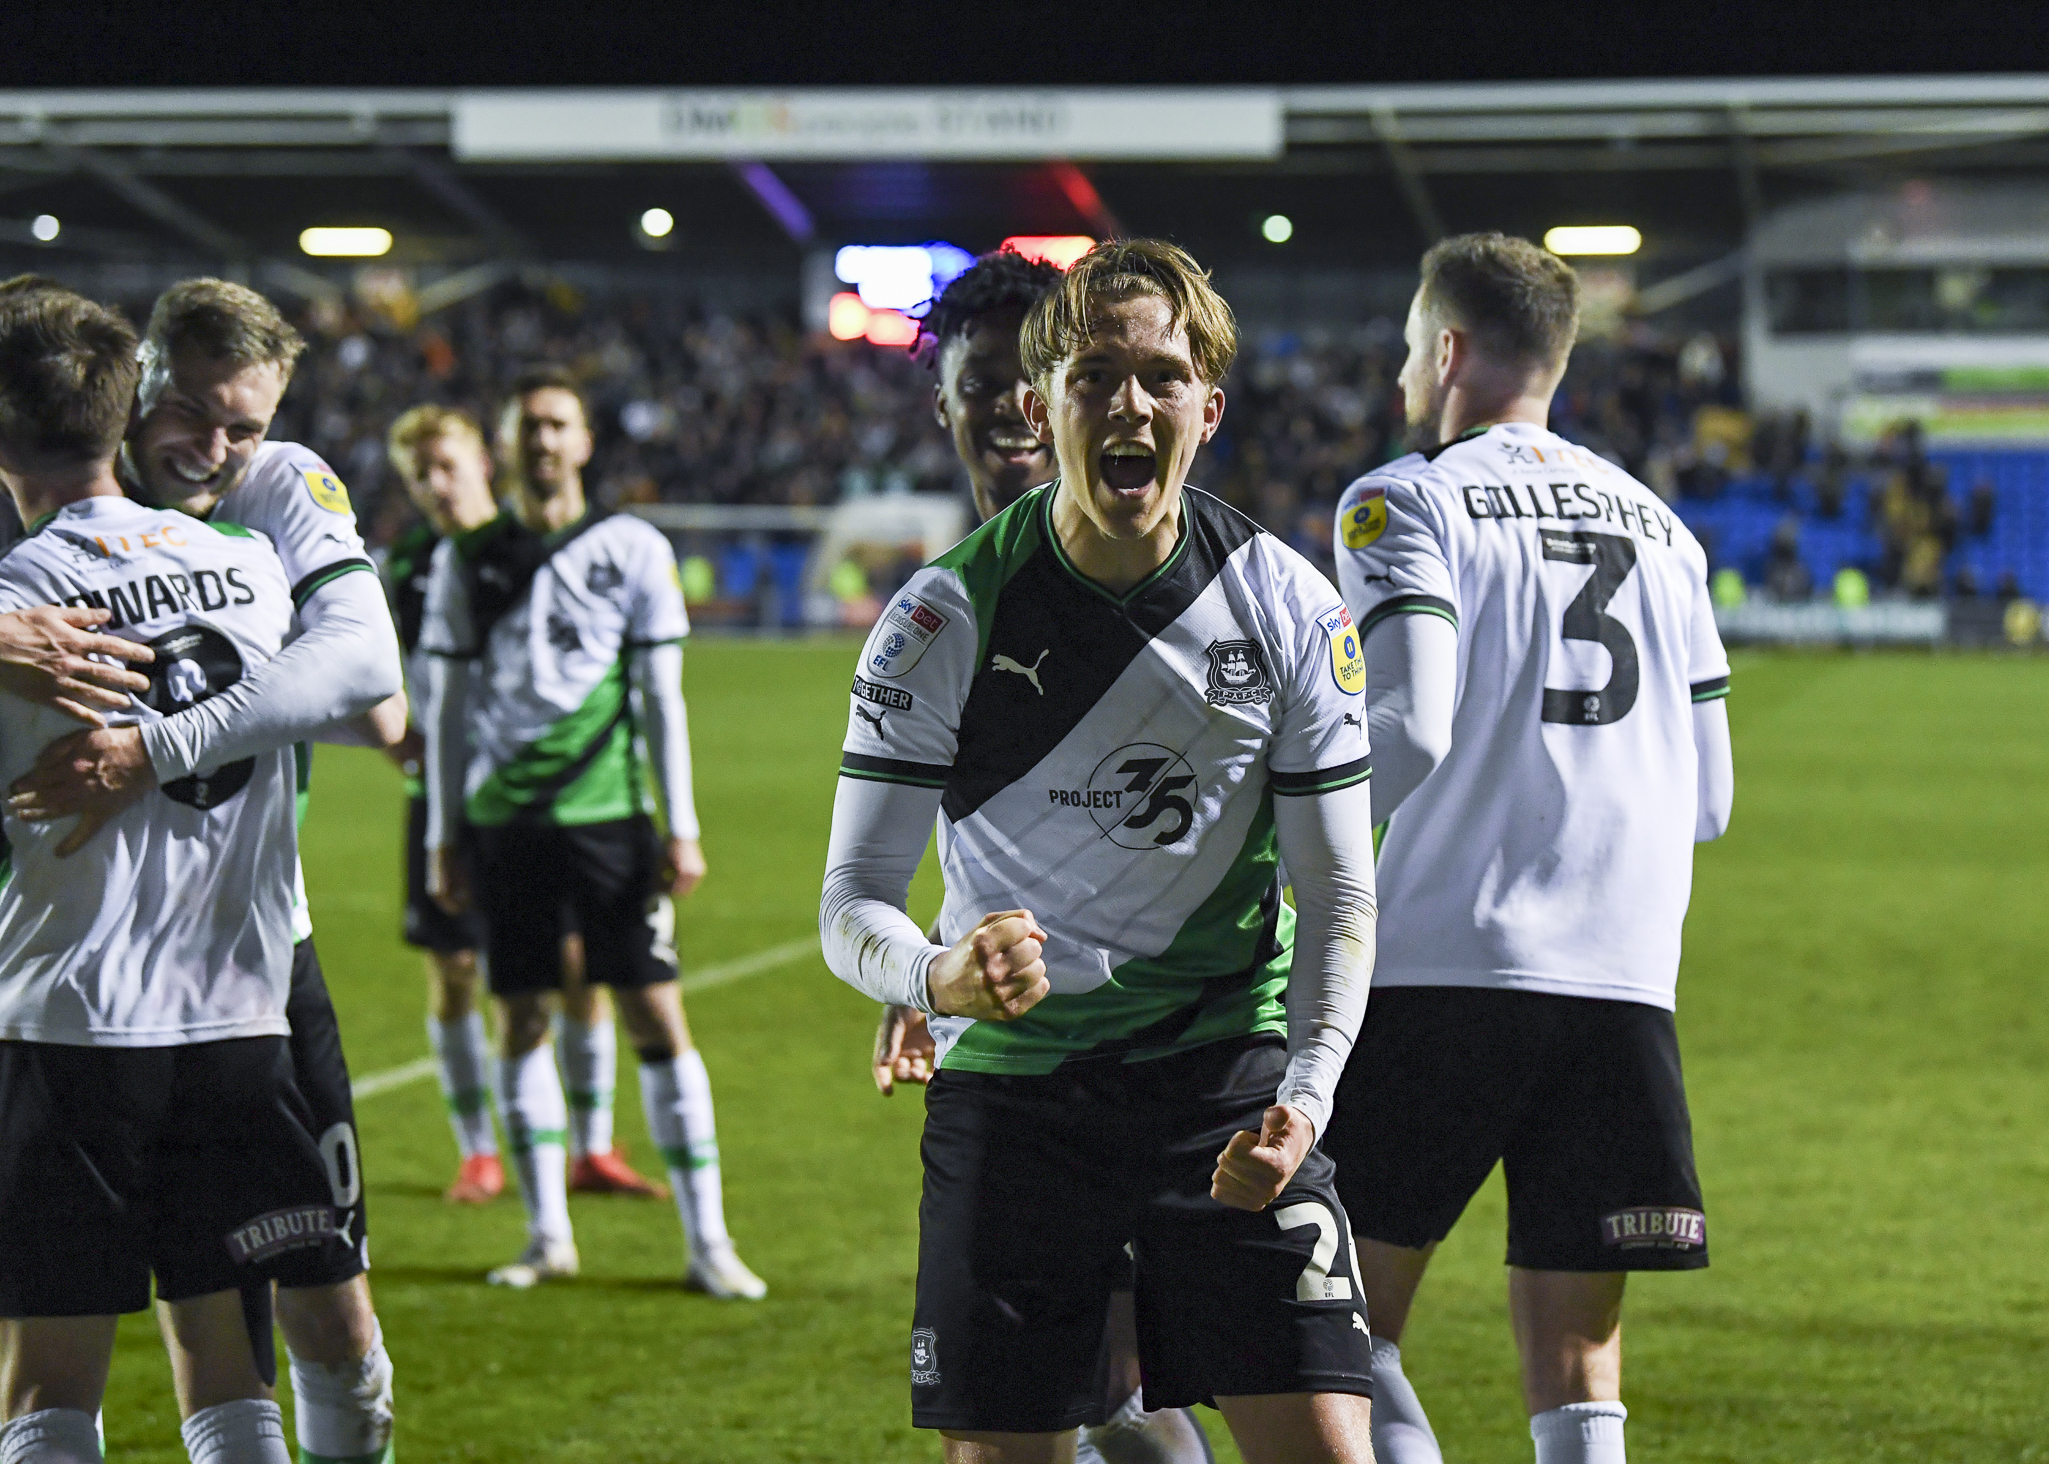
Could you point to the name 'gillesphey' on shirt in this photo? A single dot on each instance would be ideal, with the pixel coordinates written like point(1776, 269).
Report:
point(187, 934)
point(1552, 848)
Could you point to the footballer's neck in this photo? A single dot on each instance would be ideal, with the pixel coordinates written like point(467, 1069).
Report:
point(1494, 397)
point(551, 509)
point(1116, 563)
point(40, 492)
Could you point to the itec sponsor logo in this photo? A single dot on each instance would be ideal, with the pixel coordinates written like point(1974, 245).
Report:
point(1654, 1227)
point(301, 1226)
point(924, 1356)
point(909, 626)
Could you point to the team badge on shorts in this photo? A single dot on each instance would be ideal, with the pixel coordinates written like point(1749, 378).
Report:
point(1237, 674)
point(1366, 520)
point(924, 1355)
point(326, 489)
point(1347, 661)
point(907, 628)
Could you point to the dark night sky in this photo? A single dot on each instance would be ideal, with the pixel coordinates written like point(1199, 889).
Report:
point(875, 42)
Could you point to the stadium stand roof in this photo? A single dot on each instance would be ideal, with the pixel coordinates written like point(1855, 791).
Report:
point(1369, 173)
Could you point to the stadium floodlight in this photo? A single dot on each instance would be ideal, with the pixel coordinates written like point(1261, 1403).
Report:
point(346, 243)
point(45, 227)
point(1277, 229)
point(657, 223)
point(1593, 239)
point(1058, 250)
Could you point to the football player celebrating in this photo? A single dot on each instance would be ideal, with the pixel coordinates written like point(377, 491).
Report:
point(1545, 684)
point(970, 338)
point(556, 688)
point(216, 359)
point(150, 1127)
point(1121, 700)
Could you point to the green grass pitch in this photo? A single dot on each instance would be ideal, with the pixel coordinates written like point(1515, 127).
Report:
point(1865, 1036)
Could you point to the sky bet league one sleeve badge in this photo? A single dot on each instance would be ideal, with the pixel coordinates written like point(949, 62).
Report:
point(1366, 520)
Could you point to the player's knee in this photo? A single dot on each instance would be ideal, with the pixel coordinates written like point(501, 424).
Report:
point(522, 1024)
point(331, 1325)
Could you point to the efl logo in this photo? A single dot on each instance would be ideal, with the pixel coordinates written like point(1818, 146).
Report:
point(1654, 1227)
point(283, 1230)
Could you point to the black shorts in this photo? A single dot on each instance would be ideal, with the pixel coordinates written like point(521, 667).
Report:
point(199, 1165)
point(604, 873)
point(1580, 1099)
point(1033, 1188)
point(428, 926)
point(321, 1072)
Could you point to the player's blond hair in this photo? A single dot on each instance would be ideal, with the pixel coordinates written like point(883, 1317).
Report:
point(1063, 323)
point(1520, 302)
point(221, 320)
point(421, 425)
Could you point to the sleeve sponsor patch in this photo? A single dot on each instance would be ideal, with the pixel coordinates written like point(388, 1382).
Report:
point(326, 489)
point(1366, 520)
point(907, 628)
point(893, 697)
point(1347, 661)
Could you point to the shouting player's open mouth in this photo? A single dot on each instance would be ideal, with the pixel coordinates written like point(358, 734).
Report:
point(1127, 468)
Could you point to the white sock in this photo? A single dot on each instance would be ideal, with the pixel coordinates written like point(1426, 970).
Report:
point(464, 1056)
point(343, 1414)
point(1401, 1431)
point(530, 1097)
point(246, 1431)
point(51, 1436)
point(590, 1071)
point(675, 1093)
point(1580, 1433)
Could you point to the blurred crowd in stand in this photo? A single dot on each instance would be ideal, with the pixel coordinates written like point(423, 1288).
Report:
point(702, 407)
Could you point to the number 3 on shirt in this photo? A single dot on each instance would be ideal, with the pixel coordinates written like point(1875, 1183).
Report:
point(1613, 556)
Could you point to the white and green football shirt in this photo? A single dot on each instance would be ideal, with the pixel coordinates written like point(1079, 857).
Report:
point(552, 621)
point(1109, 762)
point(293, 498)
point(173, 924)
point(1552, 849)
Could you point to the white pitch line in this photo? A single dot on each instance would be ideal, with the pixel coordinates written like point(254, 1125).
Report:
point(739, 969)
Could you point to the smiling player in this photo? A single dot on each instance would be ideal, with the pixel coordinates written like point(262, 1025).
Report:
point(1115, 1063)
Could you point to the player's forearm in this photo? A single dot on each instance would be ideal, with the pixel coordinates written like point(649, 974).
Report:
point(879, 832)
point(1717, 769)
point(1327, 841)
point(657, 673)
point(343, 664)
point(1411, 687)
point(448, 683)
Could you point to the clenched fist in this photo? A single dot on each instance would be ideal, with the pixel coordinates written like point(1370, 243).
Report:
point(994, 973)
point(1254, 1168)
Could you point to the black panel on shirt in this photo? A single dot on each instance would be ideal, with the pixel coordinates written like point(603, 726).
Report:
point(407, 570)
point(1079, 640)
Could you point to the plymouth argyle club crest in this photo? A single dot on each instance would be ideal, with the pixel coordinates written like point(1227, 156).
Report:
point(1237, 674)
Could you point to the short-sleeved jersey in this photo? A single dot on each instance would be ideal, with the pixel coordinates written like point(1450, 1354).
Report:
point(1109, 762)
point(1552, 849)
point(293, 498)
point(552, 620)
point(173, 924)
